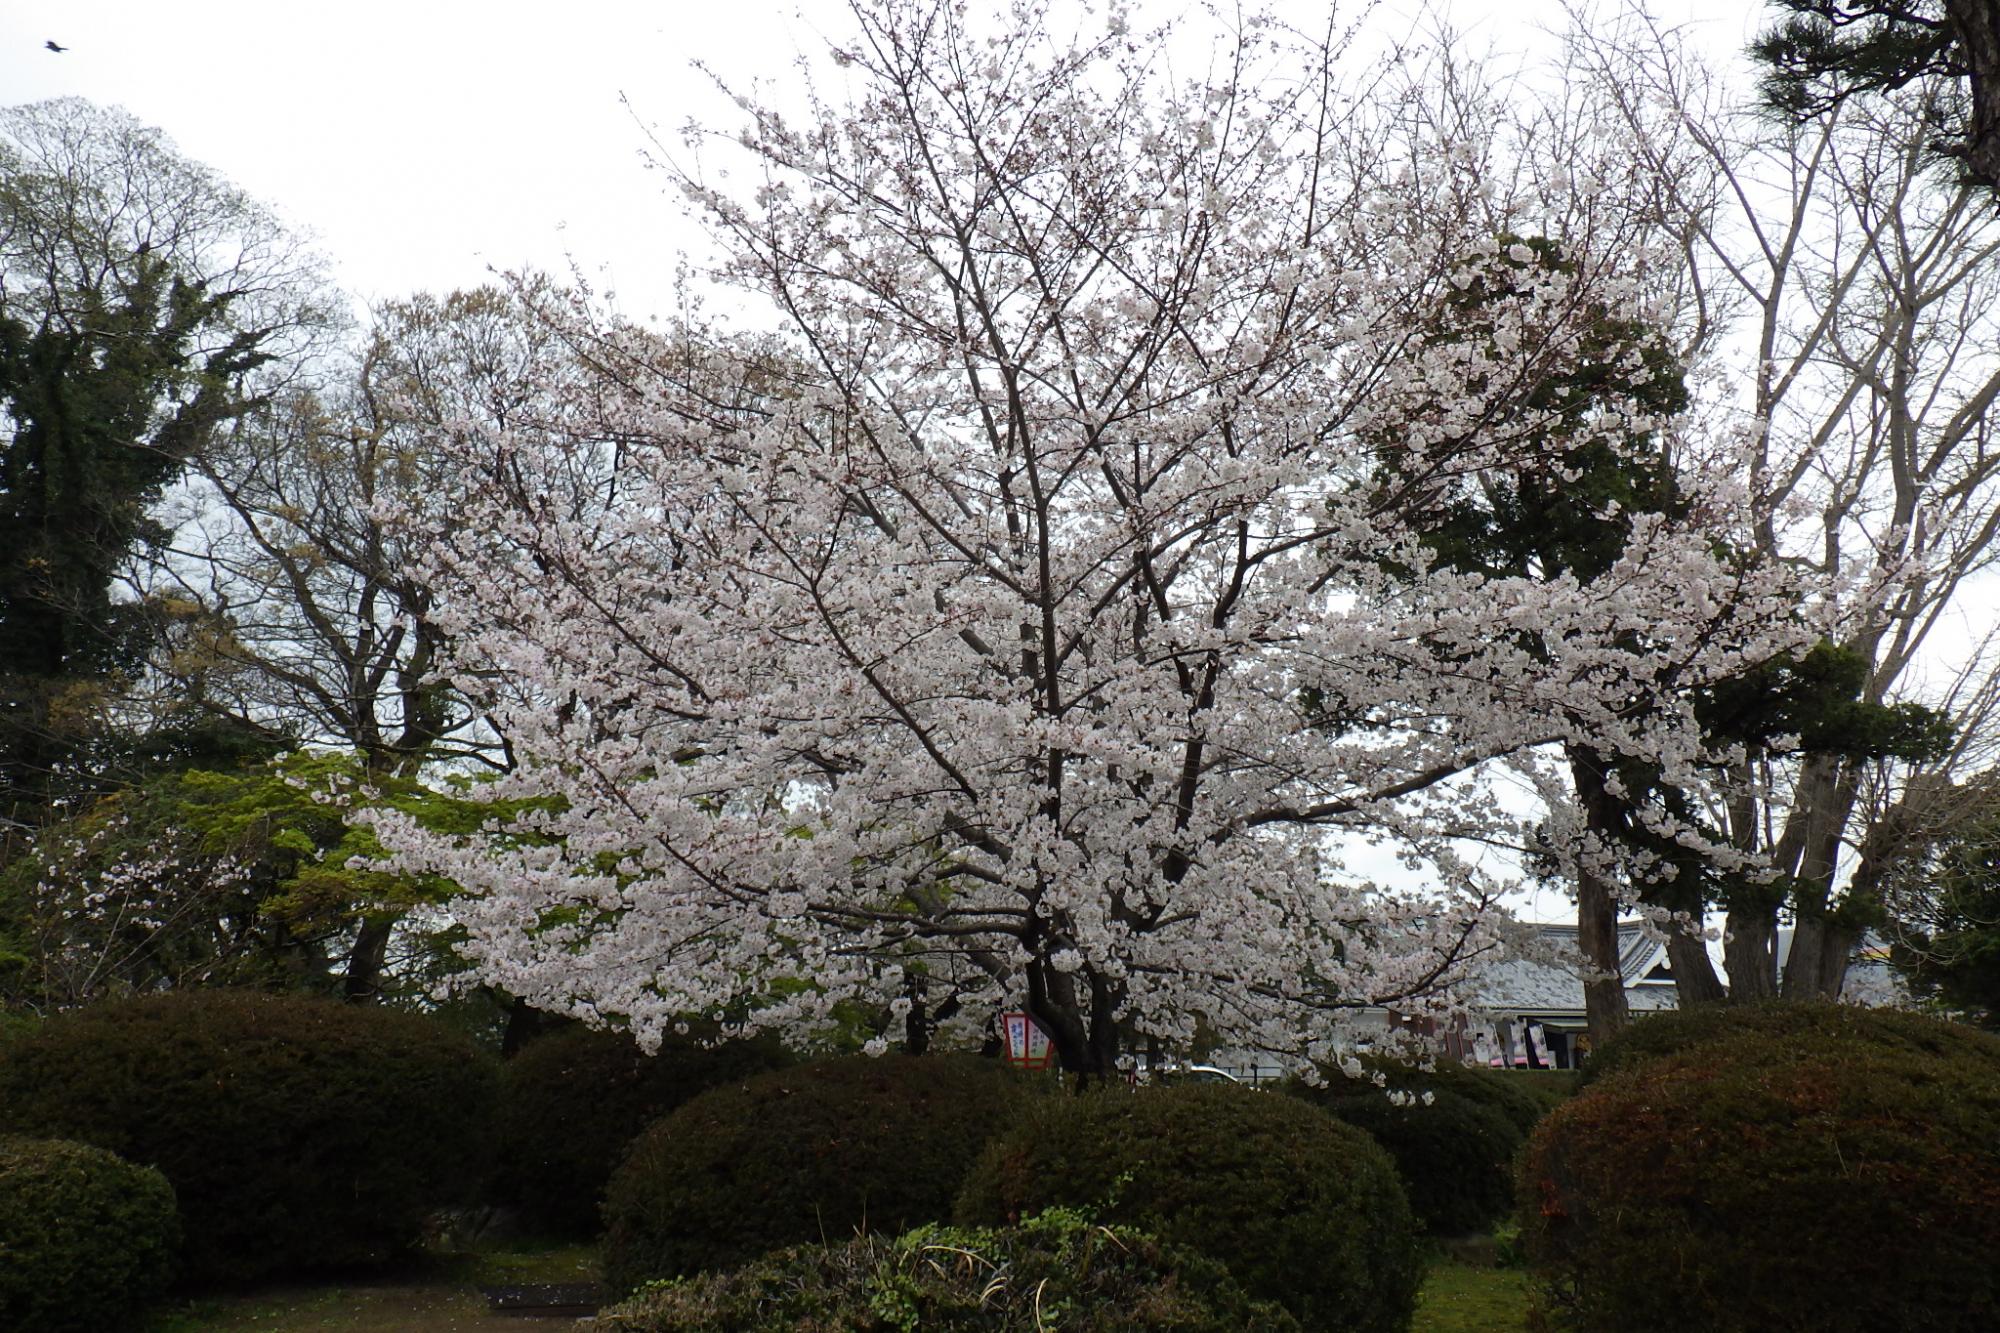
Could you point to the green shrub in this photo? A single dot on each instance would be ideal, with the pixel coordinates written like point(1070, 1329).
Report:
point(1455, 1155)
point(1836, 1172)
point(298, 1133)
point(572, 1102)
point(1524, 1096)
point(813, 1153)
point(1534, 1092)
point(1676, 1030)
point(1302, 1209)
point(86, 1239)
point(1058, 1270)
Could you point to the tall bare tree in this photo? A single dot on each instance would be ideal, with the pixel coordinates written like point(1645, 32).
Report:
point(1842, 297)
point(298, 609)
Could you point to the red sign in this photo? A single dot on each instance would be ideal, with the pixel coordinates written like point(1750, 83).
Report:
point(1027, 1044)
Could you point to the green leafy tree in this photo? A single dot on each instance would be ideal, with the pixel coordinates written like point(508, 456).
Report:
point(1570, 515)
point(89, 454)
point(251, 878)
point(1944, 911)
point(143, 304)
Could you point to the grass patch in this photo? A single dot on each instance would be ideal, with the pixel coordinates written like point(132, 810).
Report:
point(349, 1309)
point(1465, 1298)
point(521, 1264)
point(436, 1293)
point(441, 1296)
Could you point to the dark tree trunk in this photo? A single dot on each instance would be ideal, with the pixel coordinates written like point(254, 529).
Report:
point(1976, 24)
point(525, 1023)
point(363, 984)
point(917, 1023)
point(1831, 801)
point(1052, 1004)
point(1695, 982)
point(1817, 966)
point(1750, 952)
point(1077, 1010)
point(1604, 1005)
point(1837, 946)
point(1802, 963)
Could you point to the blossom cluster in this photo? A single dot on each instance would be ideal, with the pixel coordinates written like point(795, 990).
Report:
point(1033, 619)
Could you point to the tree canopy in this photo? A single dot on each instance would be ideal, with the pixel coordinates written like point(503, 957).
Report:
point(143, 304)
point(961, 660)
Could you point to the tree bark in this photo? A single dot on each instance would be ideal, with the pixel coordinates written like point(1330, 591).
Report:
point(1802, 963)
point(917, 1023)
point(1052, 1004)
point(1695, 982)
point(1976, 23)
point(1750, 952)
point(363, 984)
point(1604, 1004)
point(525, 1023)
point(1830, 803)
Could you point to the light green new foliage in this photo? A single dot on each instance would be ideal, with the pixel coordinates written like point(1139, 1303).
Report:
point(246, 877)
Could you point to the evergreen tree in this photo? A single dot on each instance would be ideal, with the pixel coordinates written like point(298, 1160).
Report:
point(1825, 51)
point(144, 302)
point(103, 413)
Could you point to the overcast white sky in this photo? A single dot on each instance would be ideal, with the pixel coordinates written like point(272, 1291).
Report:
point(426, 142)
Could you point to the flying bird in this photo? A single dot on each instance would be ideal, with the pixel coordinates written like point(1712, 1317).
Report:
point(53, 47)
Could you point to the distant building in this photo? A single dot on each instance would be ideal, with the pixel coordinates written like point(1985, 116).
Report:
point(1528, 1008)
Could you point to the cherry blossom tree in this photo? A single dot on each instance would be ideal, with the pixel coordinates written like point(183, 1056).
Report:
point(1041, 611)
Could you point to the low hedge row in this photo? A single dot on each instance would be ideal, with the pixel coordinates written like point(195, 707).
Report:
point(1300, 1208)
point(571, 1104)
point(813, 1153)
point(1058, 1270)
point(1814, 1166)
point(297, 1133)
point(1523, 1096)
point(1455, 1155)
point(1454, 1131)
point(1673, 1032)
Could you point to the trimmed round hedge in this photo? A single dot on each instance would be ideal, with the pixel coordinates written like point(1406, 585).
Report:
point(817, 1152)
point(86, 1238)
point(1455, 1155)
point(1837, 1172)
point(1054, 1271)
point(298, 1133)
point(1302, 1209)
point(1524, 1096)
point(1676, 1030)
point(572, 1102)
